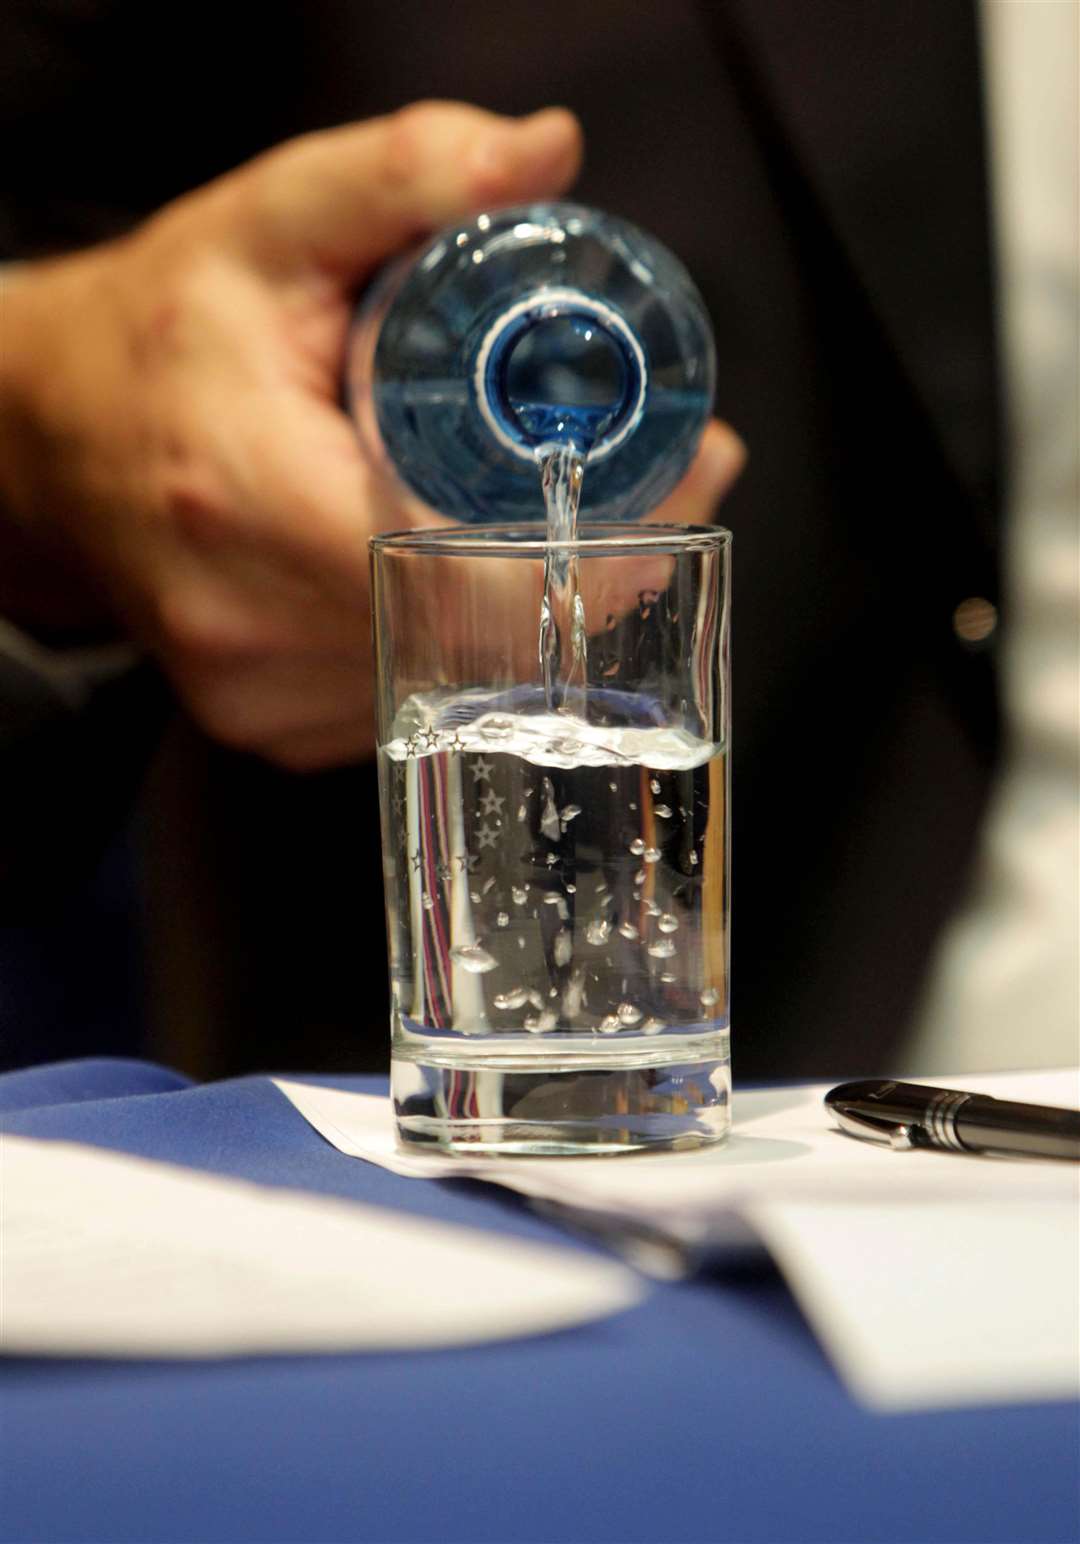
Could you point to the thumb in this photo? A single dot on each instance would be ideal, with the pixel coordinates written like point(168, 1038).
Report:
point(341, 201)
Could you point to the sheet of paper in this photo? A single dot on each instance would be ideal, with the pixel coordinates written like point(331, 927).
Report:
point(800, 1185)
point(921, 1305)
point(782, 1146)
point(109, 1255)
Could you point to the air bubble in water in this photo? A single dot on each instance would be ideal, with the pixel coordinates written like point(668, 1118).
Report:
point(662, 949)
point(709, 997)
point(693, 857)
point(598, 930)
point(538, 1023)
point(568, 812)
point(522, 811)
point(652, 909)
point(572, 997)
point(519, 894)
point(503, 919)
point(667, 978)
point(534, 997)
point(627, 930)
point(637, 846)
point(473, 958)
point(652, 1027)
point(609, 1024)
point(654, 784)
point(549, 815)
point(628, 1014)
point(563, 947)
point(651, 855)
point(517, 997)
point(489, 885)
point(667, 923)
point(663, 811)
point(640, 877)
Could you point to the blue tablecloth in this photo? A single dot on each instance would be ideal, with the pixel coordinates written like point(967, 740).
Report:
point(707, 1413)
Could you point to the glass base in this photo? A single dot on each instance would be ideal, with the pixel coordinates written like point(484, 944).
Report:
point(530, 1107)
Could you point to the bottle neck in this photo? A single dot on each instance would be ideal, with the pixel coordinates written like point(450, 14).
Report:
point(560, 367)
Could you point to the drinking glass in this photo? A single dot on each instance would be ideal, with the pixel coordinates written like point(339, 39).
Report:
point(555, 823)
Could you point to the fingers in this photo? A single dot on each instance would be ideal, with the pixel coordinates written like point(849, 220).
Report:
point(270, 650)
point(317, 750)
point(341, 201)
point(298, 712)
point(720, 459)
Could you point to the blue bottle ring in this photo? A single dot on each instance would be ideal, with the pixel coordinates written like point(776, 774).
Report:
point(503, 336)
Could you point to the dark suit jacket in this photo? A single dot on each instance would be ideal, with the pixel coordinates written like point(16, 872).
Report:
point(819, 167)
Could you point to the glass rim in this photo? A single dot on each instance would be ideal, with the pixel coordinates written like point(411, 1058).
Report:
point(527, 539)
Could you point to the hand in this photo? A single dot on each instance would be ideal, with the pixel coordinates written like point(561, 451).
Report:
point(173, 456)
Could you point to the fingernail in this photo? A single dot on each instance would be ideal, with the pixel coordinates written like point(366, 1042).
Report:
point(531, 145)
point(551, 132)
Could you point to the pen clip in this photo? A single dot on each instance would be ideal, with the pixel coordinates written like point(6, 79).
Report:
point(870, 1128)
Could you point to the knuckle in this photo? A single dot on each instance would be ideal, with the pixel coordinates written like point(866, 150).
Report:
point(222, 724)
point(196, 515)
point(195, 631)
point(409, 136)
point(177, 272)
point(263, 191)
point(227, 708)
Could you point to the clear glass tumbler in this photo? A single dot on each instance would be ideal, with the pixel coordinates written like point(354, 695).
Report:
point(555, 845)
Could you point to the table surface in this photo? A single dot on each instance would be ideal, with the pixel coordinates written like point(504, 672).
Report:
point(707, 1413)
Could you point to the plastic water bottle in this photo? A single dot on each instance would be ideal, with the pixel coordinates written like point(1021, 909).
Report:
point(519, 331)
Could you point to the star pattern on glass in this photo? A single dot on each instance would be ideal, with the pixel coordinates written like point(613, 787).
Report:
point(466, 861)
point(417, 859)
point(428, 738)
point(412, 745)
point(455, 742)
point(491, 803)
point(486, 836)
point(481, 770)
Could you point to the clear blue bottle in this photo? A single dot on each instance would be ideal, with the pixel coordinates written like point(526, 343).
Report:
point(527, 327)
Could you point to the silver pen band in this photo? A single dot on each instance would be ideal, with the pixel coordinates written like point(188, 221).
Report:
point(940, 1119)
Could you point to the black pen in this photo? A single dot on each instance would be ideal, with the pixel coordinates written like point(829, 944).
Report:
point(908, 1115)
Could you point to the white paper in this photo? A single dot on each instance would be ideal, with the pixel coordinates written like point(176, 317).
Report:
point(884, 1250)
point(921, 1307)
point(109, 1255)
point(783, 1146)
